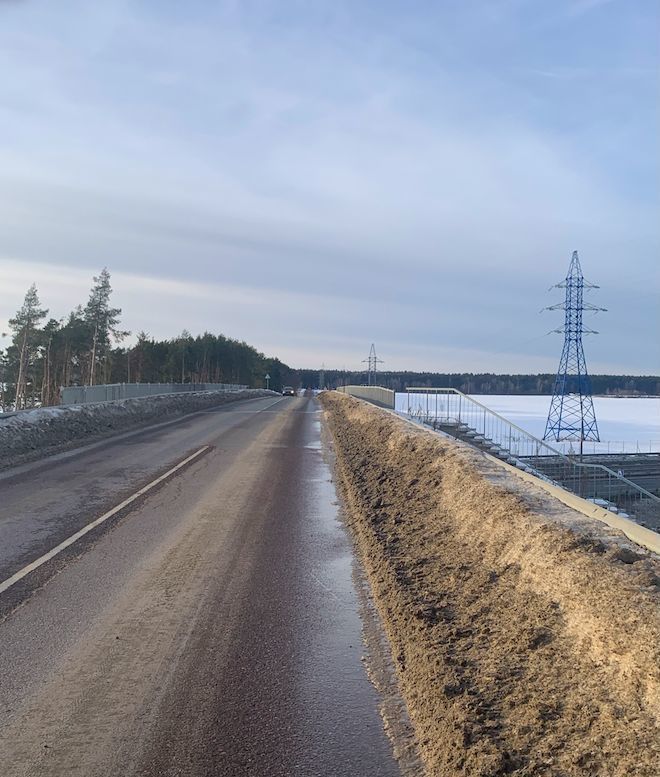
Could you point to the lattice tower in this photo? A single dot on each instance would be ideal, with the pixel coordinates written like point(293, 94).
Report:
point(372, 362)
point(571, 415)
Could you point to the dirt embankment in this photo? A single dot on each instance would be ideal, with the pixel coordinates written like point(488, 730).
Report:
point(36, 433)
point(526, 641)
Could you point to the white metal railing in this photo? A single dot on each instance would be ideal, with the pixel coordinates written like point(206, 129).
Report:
point(106, 392)
point(452, 411)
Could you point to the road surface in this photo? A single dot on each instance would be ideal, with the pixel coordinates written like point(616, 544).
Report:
point(210, 627)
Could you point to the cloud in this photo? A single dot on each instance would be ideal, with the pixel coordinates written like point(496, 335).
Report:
point(408, 178)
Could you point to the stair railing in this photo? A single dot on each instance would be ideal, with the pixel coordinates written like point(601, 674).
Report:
point(451, 410)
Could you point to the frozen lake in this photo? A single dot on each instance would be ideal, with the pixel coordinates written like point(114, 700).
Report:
point(626, 425)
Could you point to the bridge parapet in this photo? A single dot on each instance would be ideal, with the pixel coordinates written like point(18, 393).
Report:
point(107, 392)
point(377, 395)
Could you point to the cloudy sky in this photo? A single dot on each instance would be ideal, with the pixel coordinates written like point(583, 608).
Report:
point(316, 175)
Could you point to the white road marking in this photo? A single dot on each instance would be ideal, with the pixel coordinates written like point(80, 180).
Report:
point(10, 581)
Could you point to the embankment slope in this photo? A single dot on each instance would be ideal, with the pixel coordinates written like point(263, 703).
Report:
point(526, 637)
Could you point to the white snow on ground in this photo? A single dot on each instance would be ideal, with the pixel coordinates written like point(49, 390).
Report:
point(33, 433)
point(626, 424)
point(34, 416)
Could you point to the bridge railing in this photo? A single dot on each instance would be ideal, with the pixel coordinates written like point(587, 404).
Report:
point(80, 395)
point(451, 410)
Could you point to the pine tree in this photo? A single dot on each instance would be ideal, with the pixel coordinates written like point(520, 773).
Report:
point(51, 350)
point(25, 327)
point(185, 341)
point(102, 322)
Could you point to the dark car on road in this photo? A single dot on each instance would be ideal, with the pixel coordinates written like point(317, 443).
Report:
point(288, 391)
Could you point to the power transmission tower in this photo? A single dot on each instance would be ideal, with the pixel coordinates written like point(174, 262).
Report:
point(372, 362)
point(571, 415)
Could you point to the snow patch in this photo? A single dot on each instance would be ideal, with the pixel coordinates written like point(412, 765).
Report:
point(35, 433)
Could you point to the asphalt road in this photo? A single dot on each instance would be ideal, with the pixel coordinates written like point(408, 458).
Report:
point(209, 628)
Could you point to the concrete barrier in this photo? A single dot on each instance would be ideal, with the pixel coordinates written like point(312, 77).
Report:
point(109, 392)
point(375, 394)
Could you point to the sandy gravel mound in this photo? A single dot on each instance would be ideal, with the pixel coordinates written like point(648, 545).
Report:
point(527, 640)
point(36, 433)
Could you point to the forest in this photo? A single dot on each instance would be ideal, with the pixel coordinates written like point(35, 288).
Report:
point(488, 383)
point(85, 348)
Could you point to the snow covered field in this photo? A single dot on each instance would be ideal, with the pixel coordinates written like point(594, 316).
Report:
point(626, 425)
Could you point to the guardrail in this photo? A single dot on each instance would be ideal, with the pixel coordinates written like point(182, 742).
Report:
point(458, 414)
point(106, 392)
point(377, 395)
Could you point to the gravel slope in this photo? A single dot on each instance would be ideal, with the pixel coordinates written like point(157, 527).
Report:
point(526, 638)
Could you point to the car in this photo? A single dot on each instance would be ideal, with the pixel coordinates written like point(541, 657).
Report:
point(288, 391)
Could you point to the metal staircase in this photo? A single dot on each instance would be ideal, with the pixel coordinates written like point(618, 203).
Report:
point(454, 413)
point(465, 433)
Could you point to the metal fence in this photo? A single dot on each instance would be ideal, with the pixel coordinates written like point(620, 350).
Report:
point(375, 394)
point(80, 395)
point(451, 411)
point(607, 447)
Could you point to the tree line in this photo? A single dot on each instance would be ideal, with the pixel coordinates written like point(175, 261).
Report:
point(85, 348)
point(487, 383)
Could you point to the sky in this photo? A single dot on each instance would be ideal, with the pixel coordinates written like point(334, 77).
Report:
point(314, 176)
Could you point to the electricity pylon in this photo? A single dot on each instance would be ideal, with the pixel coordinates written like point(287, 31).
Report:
point(571, 415)
point(372, 365)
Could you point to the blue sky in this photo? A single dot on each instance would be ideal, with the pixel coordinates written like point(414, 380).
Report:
point(316, 176)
